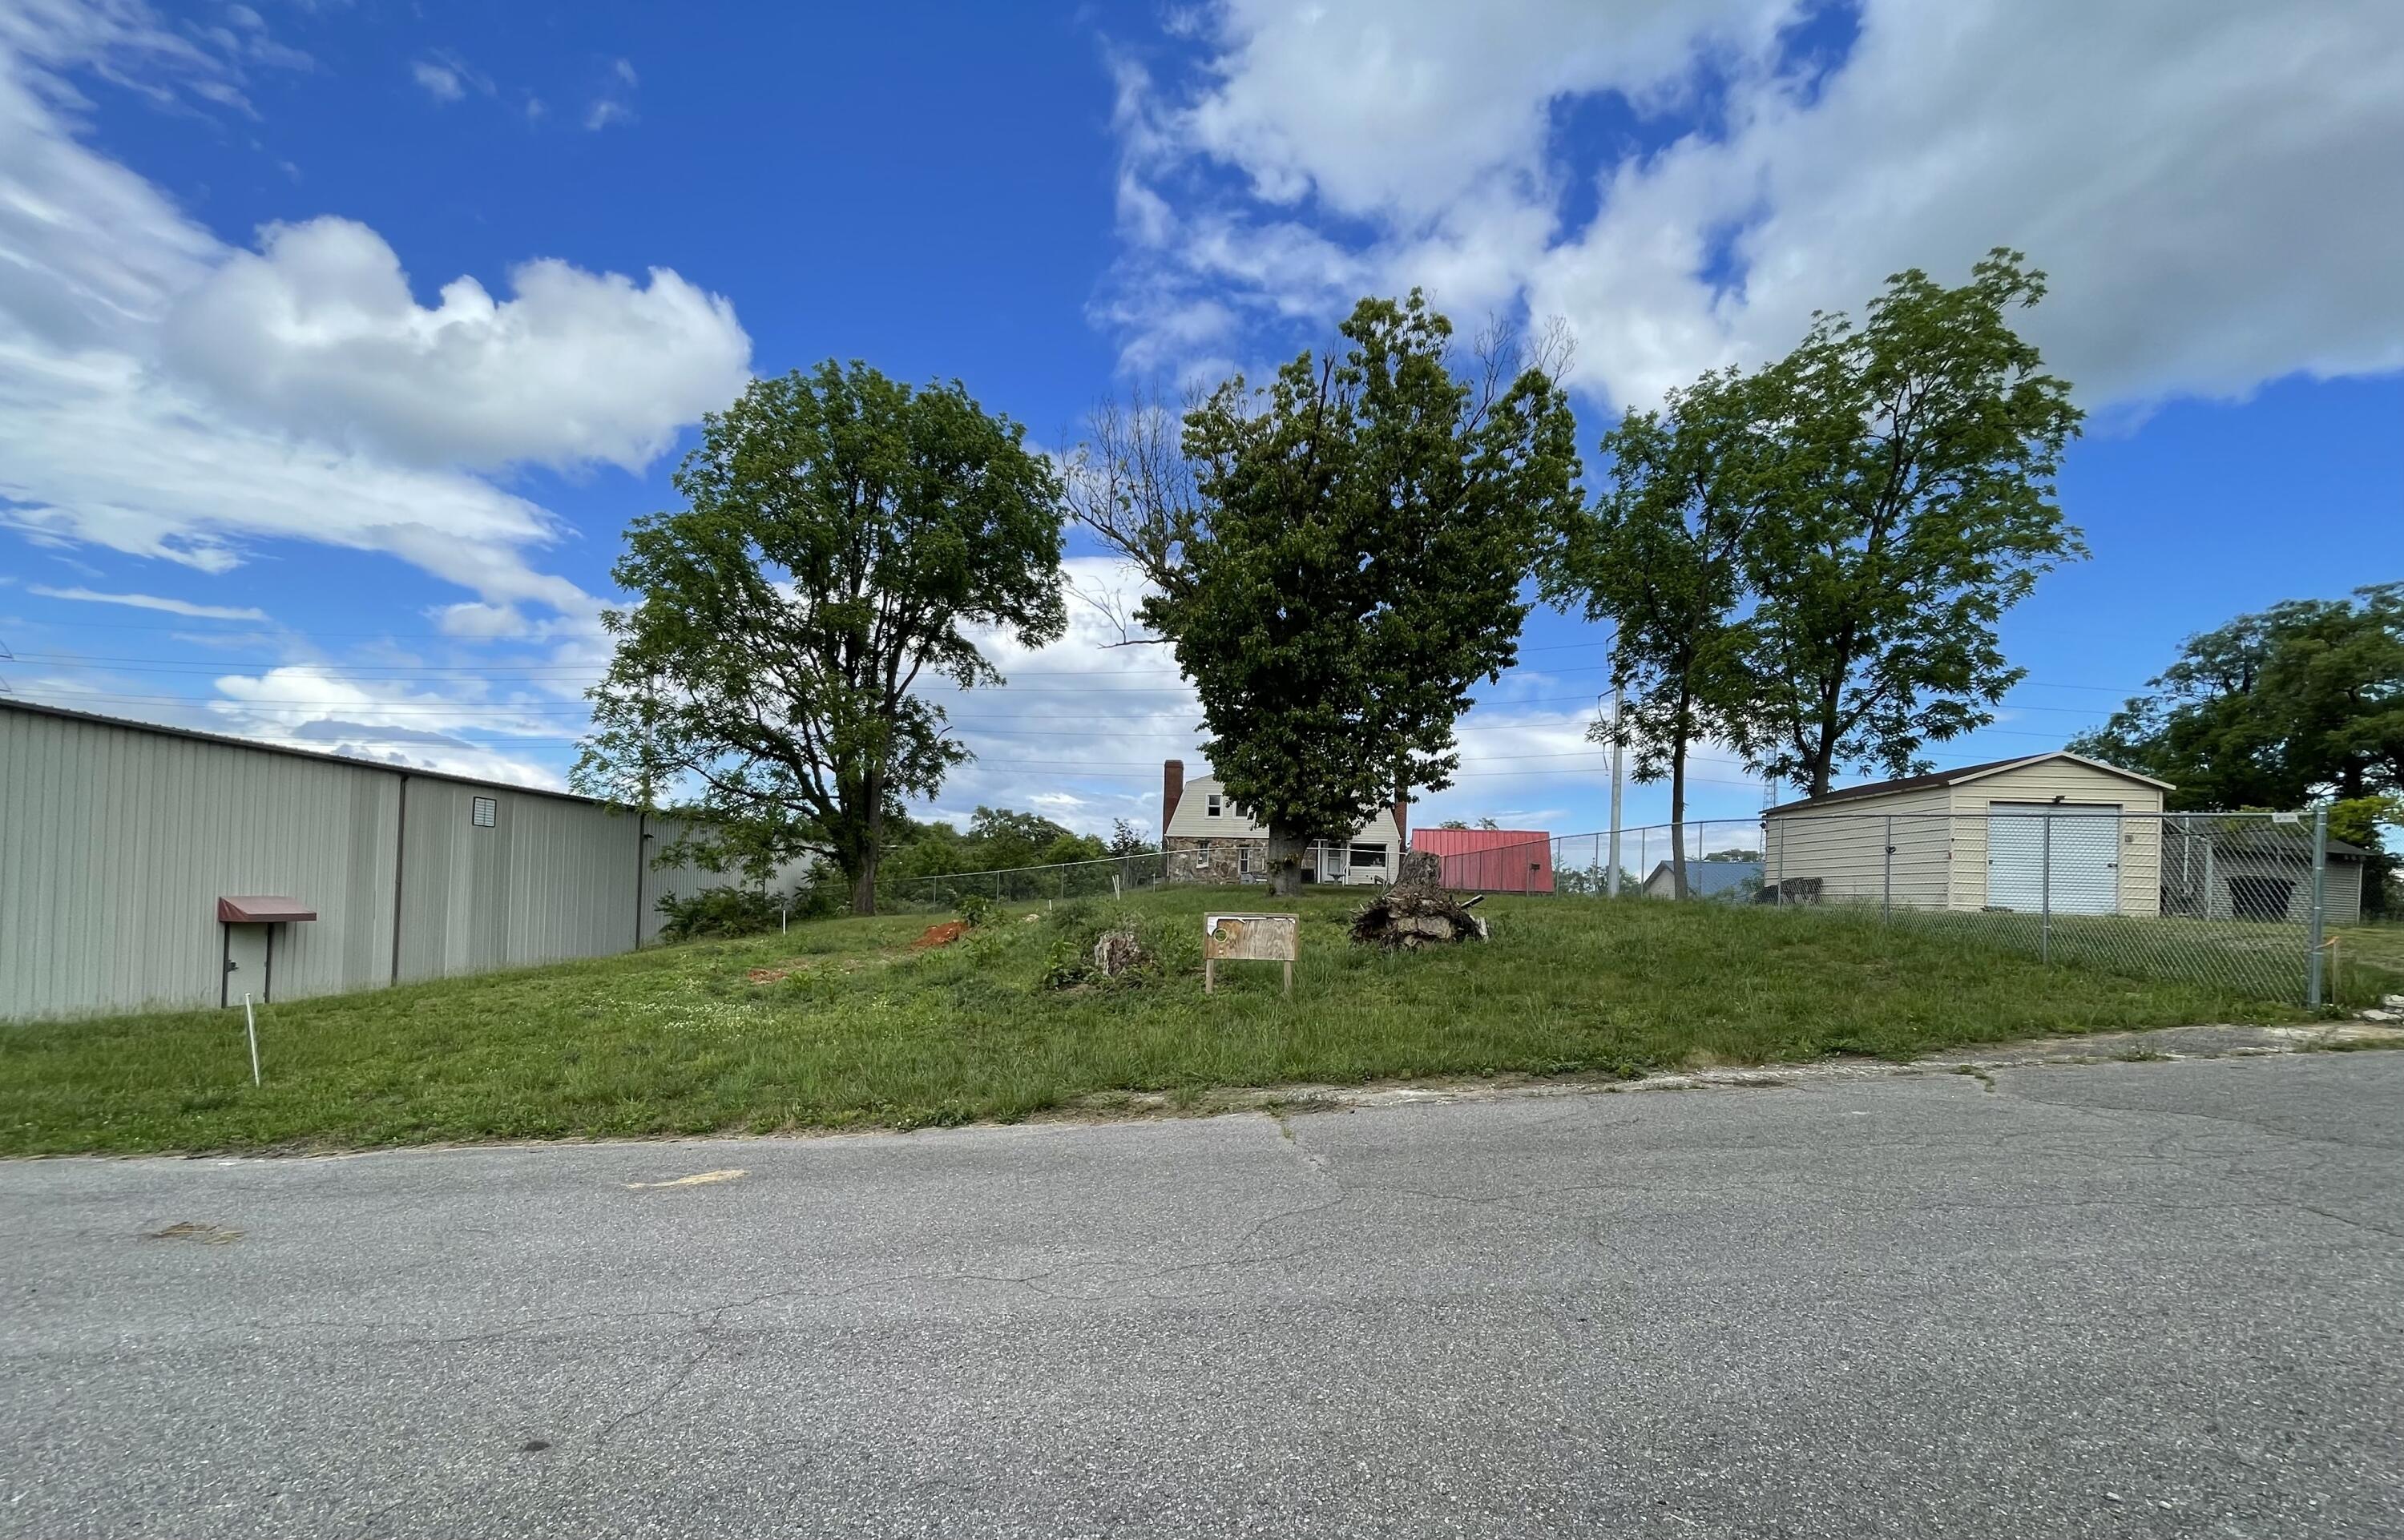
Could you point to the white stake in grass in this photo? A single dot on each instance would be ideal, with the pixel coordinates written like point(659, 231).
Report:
point(251, 1024)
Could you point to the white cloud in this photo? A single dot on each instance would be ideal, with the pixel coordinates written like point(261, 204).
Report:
point(311, 706)
point(439, 80)
point(2212, 188)
point(148, 601)
point(164, 397)
point(613, 104)
point(318, 332)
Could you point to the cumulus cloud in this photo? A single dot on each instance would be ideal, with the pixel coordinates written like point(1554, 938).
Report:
point(317, 332)
point(165, 397)
point(2212, 188)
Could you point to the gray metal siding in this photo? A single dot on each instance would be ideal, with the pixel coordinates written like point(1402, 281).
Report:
point(116, 843)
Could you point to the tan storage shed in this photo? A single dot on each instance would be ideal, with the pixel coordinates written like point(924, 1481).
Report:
point(1982, 836)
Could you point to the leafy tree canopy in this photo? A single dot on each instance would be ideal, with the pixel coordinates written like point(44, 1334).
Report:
point(1337, 557)
point(1914, 503)
point(1662, 557)
point(2302, 701)
point(843, 533)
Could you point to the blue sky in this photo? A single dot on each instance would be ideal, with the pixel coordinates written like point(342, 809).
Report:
point(338, 342)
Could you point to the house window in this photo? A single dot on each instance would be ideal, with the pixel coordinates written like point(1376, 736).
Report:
point(1202, 851)
point(1212, 807)
point(1369, 855)
point(482, 811)
point(1244, 859)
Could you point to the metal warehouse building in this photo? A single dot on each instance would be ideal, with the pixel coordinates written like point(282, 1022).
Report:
point(144, 865)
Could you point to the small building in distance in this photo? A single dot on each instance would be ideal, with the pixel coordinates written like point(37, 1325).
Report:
point(1736, 881)
point(1981, 836)
point(1491, 860)
point(1204, 837)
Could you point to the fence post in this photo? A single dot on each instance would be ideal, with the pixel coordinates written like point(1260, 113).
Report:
point(1886, 889)
point(2313, 991)
point(2045, 900)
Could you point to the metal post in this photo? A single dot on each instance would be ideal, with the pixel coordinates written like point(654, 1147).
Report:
point(1618, 700)
point(2320, 906)
point(1886, 893)
point(2044, 901)
point(250, 1025)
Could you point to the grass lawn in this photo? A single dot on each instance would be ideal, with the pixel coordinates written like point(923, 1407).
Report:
point(2370, 961)
point(842, 1024)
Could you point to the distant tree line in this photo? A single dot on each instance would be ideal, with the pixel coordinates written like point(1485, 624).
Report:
point(2302, 703)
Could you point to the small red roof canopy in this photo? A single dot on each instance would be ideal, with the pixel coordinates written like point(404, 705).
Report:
point(261, 909)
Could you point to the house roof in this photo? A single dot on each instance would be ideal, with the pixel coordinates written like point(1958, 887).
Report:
point(1956, 777)
point(1712, 877)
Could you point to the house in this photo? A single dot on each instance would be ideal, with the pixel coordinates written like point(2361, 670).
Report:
point(1491, 860)
point(1982, 836)
point(2245, 867)
point(1736, 881)
point(1206, 838)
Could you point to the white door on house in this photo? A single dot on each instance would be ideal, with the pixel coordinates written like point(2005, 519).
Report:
point(2078, 844)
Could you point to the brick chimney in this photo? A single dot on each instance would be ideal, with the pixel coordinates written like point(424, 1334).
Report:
point(1172, 790)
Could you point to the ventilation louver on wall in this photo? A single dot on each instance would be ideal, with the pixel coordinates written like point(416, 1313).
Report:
point(482, 811)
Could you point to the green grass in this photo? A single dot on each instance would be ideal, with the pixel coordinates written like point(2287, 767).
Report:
point(2370, 961)
point(862, 1032)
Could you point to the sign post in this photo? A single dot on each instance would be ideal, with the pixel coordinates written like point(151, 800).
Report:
point(1249, 938)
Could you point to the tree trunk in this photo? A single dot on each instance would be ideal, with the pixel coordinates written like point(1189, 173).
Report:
point(863, 885)
point(1677, 818)
point(1285, 862)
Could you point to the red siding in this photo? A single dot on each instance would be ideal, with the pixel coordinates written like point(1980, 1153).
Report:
point(1493, 861)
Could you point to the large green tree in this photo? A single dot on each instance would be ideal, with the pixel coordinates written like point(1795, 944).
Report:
point(1915, 504)
point(1339, 556)
point(2302, 701)
point(843, 533)
point(1661, 557)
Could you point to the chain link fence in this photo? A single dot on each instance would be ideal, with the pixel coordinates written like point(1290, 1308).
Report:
point(1109, 877)
point(2243, 901)
point(2246, 901)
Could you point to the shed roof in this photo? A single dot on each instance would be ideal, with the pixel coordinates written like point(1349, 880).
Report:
point(1956, 777)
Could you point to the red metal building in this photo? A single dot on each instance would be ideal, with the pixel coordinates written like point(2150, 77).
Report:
point(1491, 860)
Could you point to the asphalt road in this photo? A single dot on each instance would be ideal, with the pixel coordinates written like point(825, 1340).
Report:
point(2128, 1299)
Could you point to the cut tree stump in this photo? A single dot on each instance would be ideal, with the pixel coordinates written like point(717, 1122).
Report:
point(1417, 911)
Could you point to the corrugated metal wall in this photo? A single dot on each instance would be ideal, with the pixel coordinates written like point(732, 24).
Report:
point(116, 842)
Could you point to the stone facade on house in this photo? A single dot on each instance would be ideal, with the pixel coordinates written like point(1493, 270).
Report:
point(1205, 838)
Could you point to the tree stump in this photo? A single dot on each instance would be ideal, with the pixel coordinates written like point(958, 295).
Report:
point(1117, 951)
point(1417, 911)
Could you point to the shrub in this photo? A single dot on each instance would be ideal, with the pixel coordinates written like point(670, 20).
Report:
point(719, 912)
point(974, 909)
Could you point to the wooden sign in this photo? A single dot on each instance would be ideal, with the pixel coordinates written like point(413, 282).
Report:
point(1250, 938)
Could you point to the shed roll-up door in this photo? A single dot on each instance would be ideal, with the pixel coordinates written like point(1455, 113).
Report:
point(2084, 858)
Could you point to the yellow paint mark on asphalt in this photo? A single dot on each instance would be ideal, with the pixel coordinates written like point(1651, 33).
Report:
point(699, 1179)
